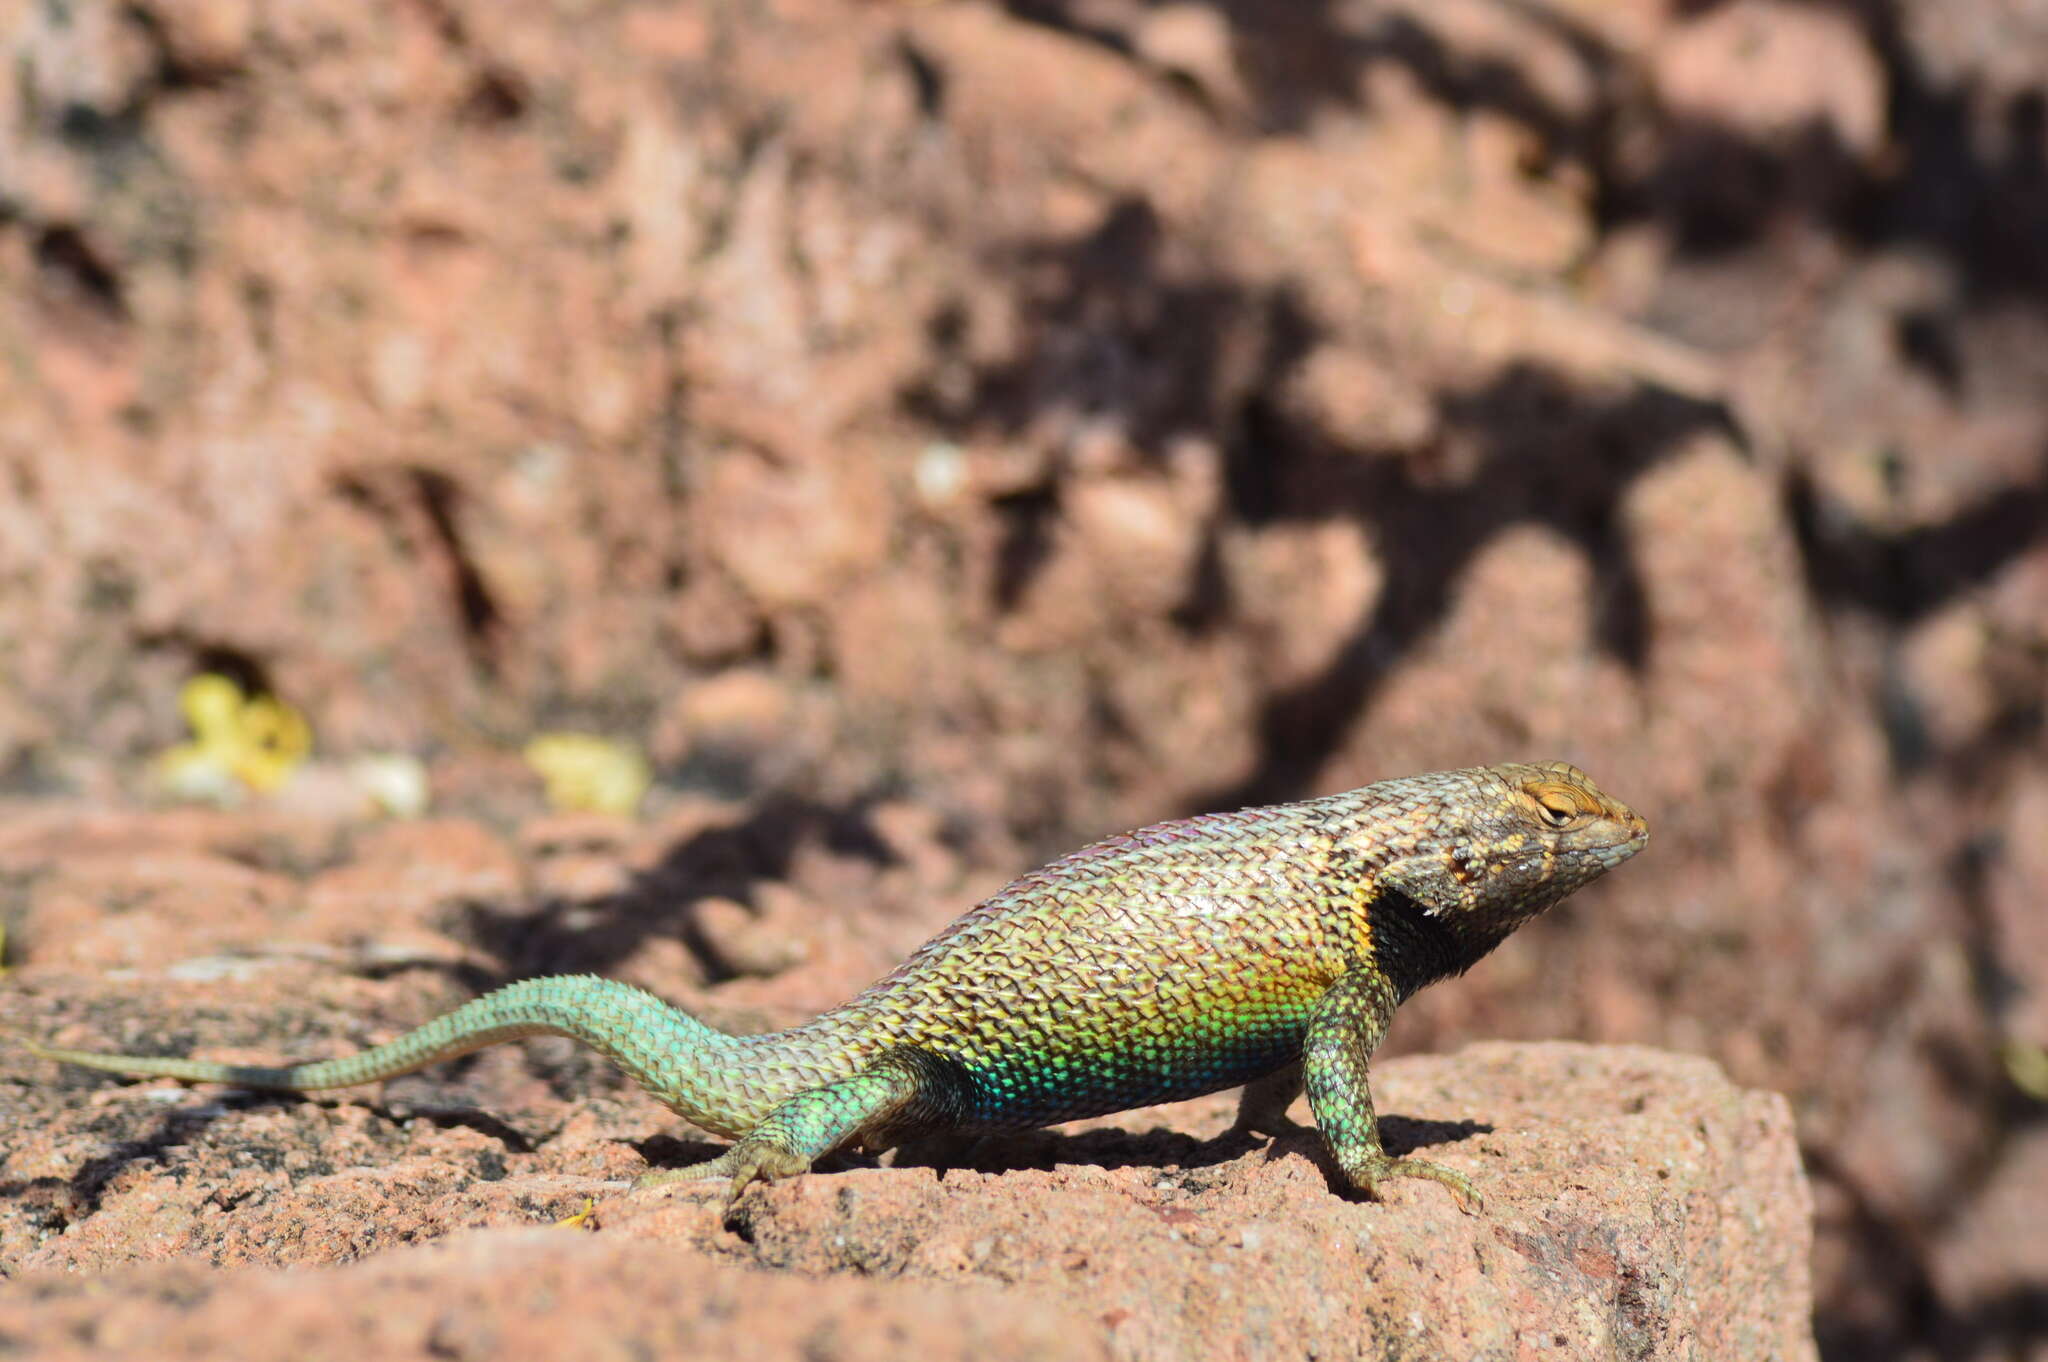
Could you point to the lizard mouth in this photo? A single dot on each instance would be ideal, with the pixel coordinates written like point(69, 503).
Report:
point(1628, 839)
point(1609, 841)
point(1622, 828)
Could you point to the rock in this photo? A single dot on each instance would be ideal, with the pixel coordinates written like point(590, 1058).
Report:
point(1772, 69)
point(404, 877)
point(1051, 428)
point(741, 707)
point(540, 1293)
point(124, 911)
point(762, 942)
point(1638, 1205)
point(2019, 928)
point(206, 37)
point(1193, 43)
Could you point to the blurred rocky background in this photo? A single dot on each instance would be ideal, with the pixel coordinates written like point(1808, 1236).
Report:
point(938, 434)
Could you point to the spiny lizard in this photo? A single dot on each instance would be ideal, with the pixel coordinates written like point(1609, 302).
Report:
point(1266, 948)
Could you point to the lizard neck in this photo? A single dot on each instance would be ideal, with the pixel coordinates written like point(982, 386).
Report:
point(1411, 947)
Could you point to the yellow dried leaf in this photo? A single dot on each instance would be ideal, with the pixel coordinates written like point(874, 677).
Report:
point(588, 773)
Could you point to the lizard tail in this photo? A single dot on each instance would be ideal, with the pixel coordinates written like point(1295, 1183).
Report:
point(685, 1064)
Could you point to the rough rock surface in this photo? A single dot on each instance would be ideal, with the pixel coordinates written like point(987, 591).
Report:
point(942, 433)
point(1639, 1205)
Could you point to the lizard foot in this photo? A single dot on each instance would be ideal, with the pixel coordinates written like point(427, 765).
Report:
point(751, 1158)
point(1468, 1198)
point(1267, 1127)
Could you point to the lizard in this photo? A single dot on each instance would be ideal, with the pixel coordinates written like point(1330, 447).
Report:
point(1266, 948)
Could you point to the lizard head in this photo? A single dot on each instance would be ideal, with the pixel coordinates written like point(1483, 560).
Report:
point(1481, 851)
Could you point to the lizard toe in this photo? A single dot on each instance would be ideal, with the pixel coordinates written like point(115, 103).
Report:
point(720, 1167)
point(1461, 1188)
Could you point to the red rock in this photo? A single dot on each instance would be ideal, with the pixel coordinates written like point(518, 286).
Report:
point(1635, 1199)
point(1773, 69)
point(404, 877)
point(1052, 430)
point(543, 1293)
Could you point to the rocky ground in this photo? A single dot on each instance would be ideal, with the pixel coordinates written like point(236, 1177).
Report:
point(940, 433)
point(1638, 1204)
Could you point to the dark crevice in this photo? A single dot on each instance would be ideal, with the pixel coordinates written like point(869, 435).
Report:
point(244, 669)
point(72, 267)
point(1028, 518)
point(926, 79)
point(1206, 606)
point(208, 656)
point(496, 99)
point(420, 508)
point(1926, 340)
point(1255, 460)
point(483, 624)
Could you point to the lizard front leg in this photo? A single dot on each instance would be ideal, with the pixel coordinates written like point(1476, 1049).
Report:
point(900, 1093)
point(1346, 1027)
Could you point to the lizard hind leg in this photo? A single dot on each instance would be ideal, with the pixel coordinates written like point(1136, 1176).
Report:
point(901, 1092)
point(1262, 1108)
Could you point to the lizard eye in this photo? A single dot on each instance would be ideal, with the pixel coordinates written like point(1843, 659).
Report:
point(1557, 806)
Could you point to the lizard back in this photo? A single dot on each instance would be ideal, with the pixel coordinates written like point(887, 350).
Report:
point(1175, 960)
